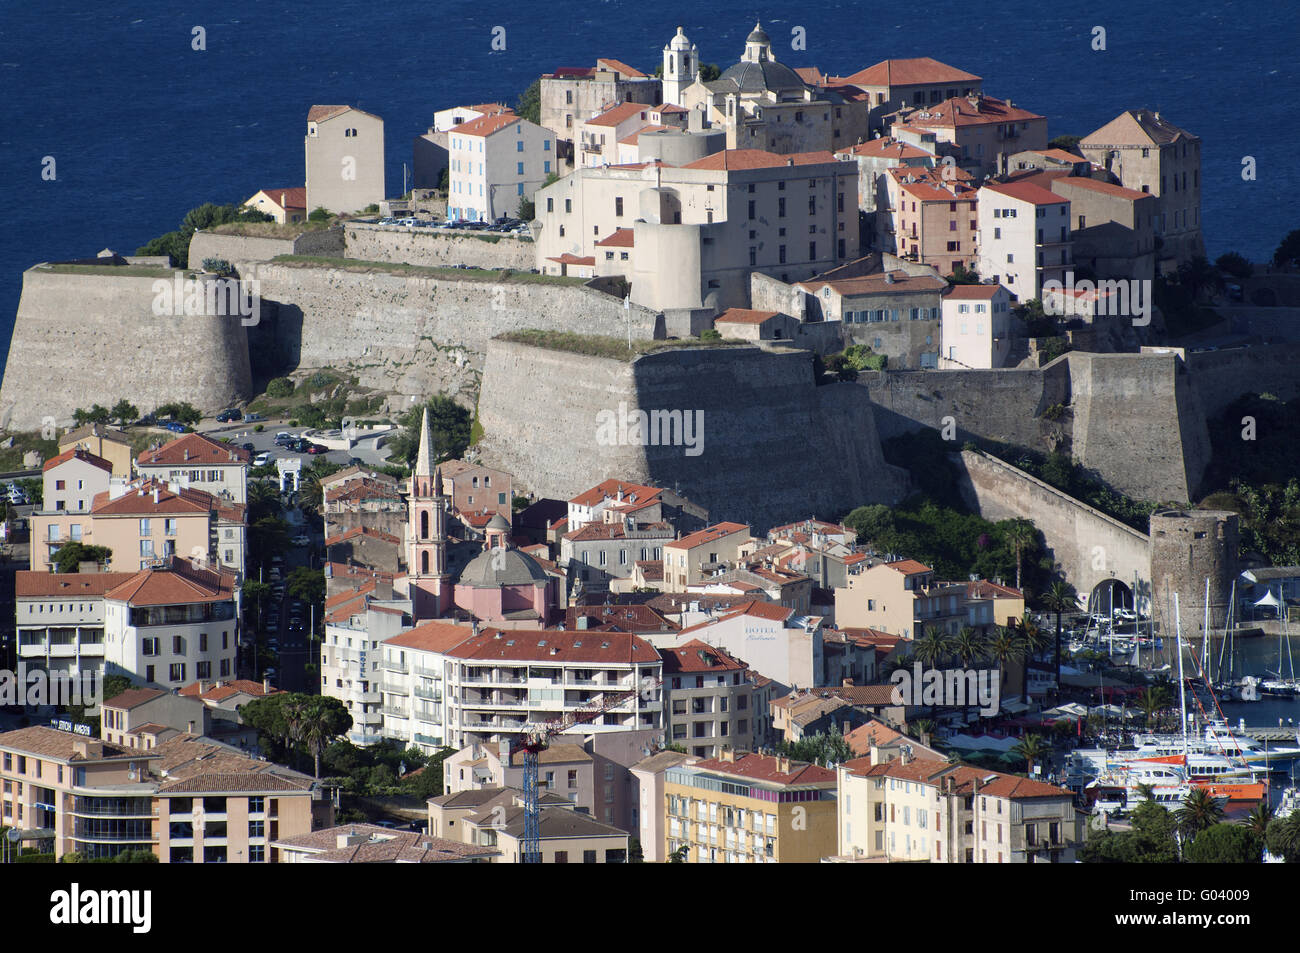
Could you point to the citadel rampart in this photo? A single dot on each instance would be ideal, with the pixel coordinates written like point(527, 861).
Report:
point(438, 246)
point(89, 336)
point(234, 247)
point(774, 446)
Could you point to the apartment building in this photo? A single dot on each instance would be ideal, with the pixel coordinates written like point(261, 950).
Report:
point(60, 619)
point(1024, 237)
point(700, 229)
point(901, 598)
point(356, 624)
point(932, 217)
point(987, 131)
point(649, 776)
point(614, 500)
point(429, 150)
point(600, 553)
point(607, 137)
point(690, 560)
point(447, 685)
point(977, 328)
point(70, 483)
point(187, 800)
point(103, 441)
point(893, 312)
point(344, 159)
point(495, 163)
point(170, 625)
point(569, 95)
point(1113, 228)
point(1149, 154)
point(892, 85)
point(749, 809)
point(494, 818)
point(709, 700)
point(148, 521)
point(877, 157)
point(199, 463)
point(919, 809)
point(474, 489)
point(783, 645)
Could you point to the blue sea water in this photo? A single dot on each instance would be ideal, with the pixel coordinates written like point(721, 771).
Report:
point(142, 127)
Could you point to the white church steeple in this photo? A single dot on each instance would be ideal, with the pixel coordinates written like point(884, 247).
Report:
point(681, 66)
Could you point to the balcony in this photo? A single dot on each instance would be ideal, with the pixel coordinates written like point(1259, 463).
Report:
point(400, 668)
point(427, 672)
point(432, 694)
point(594, 148)
point(395, 711)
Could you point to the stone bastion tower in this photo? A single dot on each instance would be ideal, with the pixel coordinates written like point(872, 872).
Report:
point(1187, 547)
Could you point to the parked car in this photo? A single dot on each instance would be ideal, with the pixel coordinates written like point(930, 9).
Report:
point(262, 459)
point(1234, 292)
point(226, 416)
point(251, 418)
point(315, 448)
point(284, 437)
point(175, 426)
point(247, 446)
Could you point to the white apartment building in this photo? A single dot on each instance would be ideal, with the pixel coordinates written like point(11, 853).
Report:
point(199, 463)
point(444, 684)
point(495, 162)
point(165, 626)
point(1024, 237)
point(349, 662)
point(976, 328)
point(778, 642)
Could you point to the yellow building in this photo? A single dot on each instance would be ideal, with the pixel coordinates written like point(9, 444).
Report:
point(749, 809)
point(103, 441)
point(691, 559)
point(493, 818)
point(900, 598)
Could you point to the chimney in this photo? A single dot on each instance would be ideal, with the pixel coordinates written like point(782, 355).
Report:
point(889, 277)
point(266, 686)
point(155, 495)
point(783, 765)
point(88, 748)
point(351, 839)
point(848, 683)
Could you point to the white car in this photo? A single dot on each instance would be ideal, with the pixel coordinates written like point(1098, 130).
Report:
point(262, 459)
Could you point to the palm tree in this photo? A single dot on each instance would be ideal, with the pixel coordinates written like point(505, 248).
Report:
point(1260, 816)
point(1020, 535)
point(315, 731)
point(1005, 649)
point(1146, 791)
point(1032, 748)
point(1032, 641)
point(1153, 701)
point(894, 663)
point(933, 647)
point(1284, 837)
point(263, 500)
point(1060, 597)
point(968, 646)
point(1199, 811)
point(921, 728)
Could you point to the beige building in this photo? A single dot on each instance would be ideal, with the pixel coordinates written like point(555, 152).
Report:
point(474, 488)
point(977, 329)
point(690, 560)
point(649, 775)
point(987, 131)
point(894, 84)
point(60, 619)
point(930, 810)
point(199, 463)
point(288, 206)
point(894, 312)
point(494, 818)
point(700, 229)
point(372, 844)
point(570, 95)
point(901, 598)
point(101, 441)
point(709, 700)
point(877, 157)
point(749, 809)
point(70, 483)
point(931, 217)
point(150, 521)
point(188, 799)
point(1148, 153)
point(345, 159)
point(1024, 237)
point(1113, 227)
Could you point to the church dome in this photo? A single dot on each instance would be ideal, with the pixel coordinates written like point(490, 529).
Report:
point(679, 42)
point(510, 567)
point(757, 35)
point(498, 522)
point(765, 76)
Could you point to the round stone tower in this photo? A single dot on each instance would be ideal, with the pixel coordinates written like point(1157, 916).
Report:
point(1188, 547)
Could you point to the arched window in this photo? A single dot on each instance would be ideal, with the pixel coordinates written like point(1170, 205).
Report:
point(424, 524)
point(424, 561)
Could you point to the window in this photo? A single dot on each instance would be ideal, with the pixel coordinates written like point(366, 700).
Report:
point(177, 672)
point(780, 205)
point(812, 251)
point(618, 206)
point(144, 528)
point(589, 857)
point(561, 857)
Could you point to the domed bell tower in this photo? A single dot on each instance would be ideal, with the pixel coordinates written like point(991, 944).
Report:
point(681, 66)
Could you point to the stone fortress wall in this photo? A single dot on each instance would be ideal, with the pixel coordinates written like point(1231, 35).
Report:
point(774, 446)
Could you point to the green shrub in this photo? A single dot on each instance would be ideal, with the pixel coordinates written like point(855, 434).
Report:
point(280, 387)
point(258, 429)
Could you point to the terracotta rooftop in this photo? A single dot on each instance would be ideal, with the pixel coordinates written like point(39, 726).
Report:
point(961, 111)
point(695, 657)
point(486, 125)
point(765, 768)
point(618, 114)
point(379, 845)
point(553, 645)
point(79, 454)
point(610, 489)
point(290, 197)
point(707, 535)
point(909, 567)
point(1105, 188)
point(742, 159)
point(133, 697)
point(60, 745)
point(432, 636)
point(621, 238)
point(1026, 192)
point(972, 292)
point(178, 583)
point(744, 316)
point(70, 585)
point(194, 449)
point(920, 71)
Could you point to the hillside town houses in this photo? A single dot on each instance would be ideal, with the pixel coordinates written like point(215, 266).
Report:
point(671, 662)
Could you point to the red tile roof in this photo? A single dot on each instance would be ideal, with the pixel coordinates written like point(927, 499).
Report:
point(708, 535)
point(221, 690)
point(618, 114)
point(362, 531)
point(920, 71)
point(886, 147)
point(621, 238)
point(133, 697)
point(539, 645)
point(35, 584)
point(486, 125)
point(909, 567)
point(176, 585)
point(1105, 188)
point(744, 316)
point(899, 283)
point(139, 500)
point(696, 656)
point(972, 292)
point(1026, 192)
point(756, 767)
point(741, 159)
point(79, 454)
point(194, 449)
point(610, 489)
point(294, 196)
point(960, 111)
point(619, 66)
point(432, 636)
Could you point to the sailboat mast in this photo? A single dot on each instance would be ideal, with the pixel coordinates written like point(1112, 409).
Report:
point(1182, 685)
